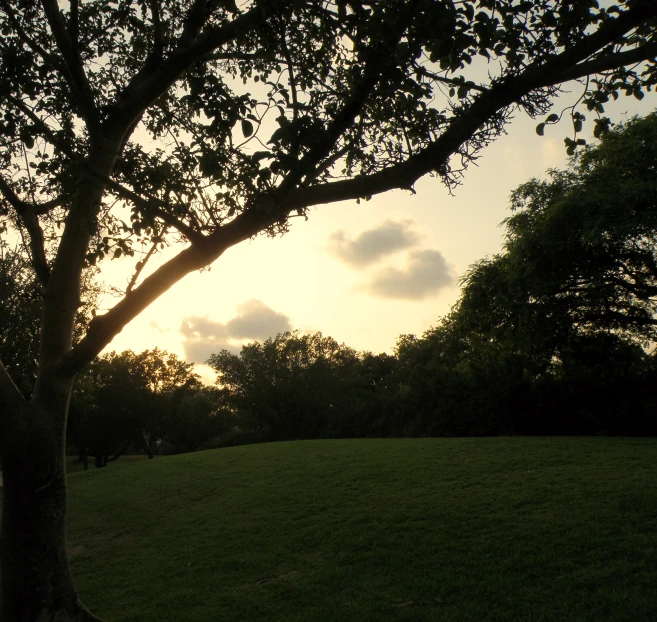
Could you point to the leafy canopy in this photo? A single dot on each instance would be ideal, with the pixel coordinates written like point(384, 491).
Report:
point(580, 258)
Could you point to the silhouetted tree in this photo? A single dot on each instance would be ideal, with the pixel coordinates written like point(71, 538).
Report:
point(194, 416)
point(565, 308)
point(21, 310)
point(581, 250)
point(290, 386)
point(127, 398)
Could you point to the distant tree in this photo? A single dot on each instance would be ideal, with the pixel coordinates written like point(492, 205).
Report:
point(600, 383)
point(163, 374)
point(290, 386)
point(195, 416)
point(214, 123)
point(456, 382)
point(368, 400)
point(126, 398)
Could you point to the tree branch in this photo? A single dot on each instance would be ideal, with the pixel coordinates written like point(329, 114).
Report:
point(194, 22)
point(142, 264)
point(23, 36)
point(73, 68)
point(104, 328)
point(28, 216)
point(149, 203)
point(423, 71)
point(39, 123)
point(372, 72)
point(293, 80)
point(38, 208)
point(501, 95)
point(158, 33)
point(147, 85)
point(610, 62)
point(243, 56)
point(74, 27)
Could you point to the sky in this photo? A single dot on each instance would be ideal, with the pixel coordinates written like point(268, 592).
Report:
point(361, 273)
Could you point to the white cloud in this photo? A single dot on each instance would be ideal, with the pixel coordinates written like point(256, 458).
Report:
point(373, 244)
point(426, 273)
point(254, 321)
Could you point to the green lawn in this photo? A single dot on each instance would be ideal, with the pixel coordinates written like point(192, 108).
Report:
point(416, 529)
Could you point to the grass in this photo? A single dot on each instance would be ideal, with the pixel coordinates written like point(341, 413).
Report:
point(413, 529)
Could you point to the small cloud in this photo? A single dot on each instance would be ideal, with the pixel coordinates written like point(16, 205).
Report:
point(199, 350)
point(426, 273)
point(203, 328)
point(373, 244)
point(254, 321)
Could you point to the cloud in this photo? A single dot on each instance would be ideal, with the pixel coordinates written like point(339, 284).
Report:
point(254, 321)
point(200, 350)
point(257, 321)
point(203, 328)
point(426, 273)
point(373, 244)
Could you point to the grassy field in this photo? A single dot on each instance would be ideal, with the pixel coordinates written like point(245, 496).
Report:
point(416, 529)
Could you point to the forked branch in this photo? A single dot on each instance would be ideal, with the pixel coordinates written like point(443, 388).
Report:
point(72, 65)
point(104, 328)
point(147, 85)
point(27, 215)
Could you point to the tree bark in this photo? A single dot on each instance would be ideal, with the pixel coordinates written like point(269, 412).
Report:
point(36, 579)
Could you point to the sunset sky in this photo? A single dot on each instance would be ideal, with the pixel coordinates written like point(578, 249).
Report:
point(363, 274)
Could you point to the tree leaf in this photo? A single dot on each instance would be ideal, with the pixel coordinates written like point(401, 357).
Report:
point(247, 128)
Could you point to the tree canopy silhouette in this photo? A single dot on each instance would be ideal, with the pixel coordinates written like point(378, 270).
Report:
point(581, 250)
point(214, 122)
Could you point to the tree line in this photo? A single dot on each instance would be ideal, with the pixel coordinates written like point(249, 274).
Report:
point(551, 336)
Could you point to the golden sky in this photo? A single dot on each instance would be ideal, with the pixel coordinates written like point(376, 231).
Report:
point(362, 273)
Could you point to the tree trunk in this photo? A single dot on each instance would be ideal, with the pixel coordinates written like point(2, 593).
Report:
point(148, 444)
point(118, 453)
point(36, 582)
point(83, 457)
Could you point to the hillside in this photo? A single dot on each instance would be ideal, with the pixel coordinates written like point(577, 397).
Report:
point(414, 529)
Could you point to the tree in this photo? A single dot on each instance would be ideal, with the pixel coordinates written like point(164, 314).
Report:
point(574, 294)
point(195, 416)
point(289, 387)
point(166, 108)
point(597, 226)
point(581, 251)
point(20, 312)
point(21, 307)
point(124, 399)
